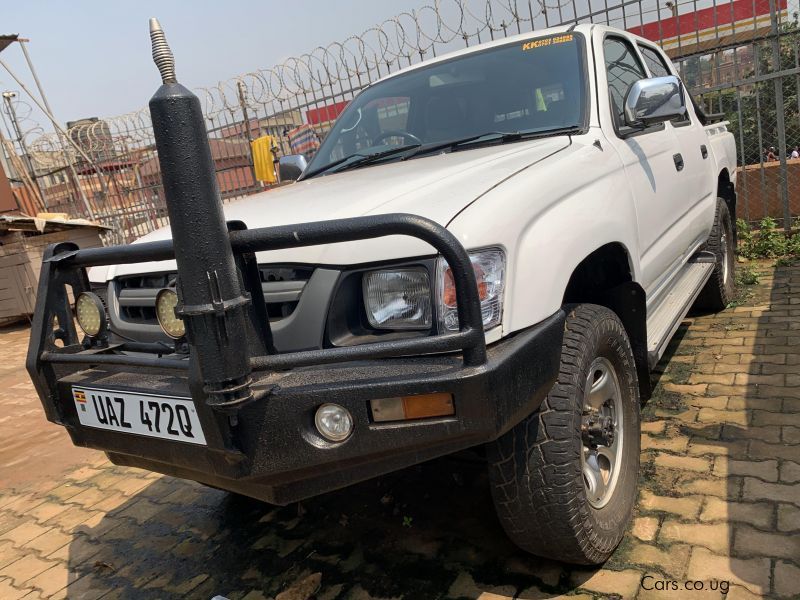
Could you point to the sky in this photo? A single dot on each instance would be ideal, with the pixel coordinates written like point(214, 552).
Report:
point(93, 56)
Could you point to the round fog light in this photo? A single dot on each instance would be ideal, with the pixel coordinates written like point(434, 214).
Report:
point(166, 301)
point(90, 314)
point(333, 422)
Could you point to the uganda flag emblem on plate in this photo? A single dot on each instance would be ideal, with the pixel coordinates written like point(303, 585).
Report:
point(80, 398)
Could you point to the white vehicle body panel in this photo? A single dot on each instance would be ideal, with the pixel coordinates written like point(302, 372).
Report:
point(548, 203)
point(439, 188)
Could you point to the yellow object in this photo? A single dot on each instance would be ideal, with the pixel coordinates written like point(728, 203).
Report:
point(49, 215)
point(89, 313)
point(541, 105)
point(171, 324)
point(422, 406)
point(263, 159)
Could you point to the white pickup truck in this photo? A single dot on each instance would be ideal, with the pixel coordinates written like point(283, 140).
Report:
point(597, 207)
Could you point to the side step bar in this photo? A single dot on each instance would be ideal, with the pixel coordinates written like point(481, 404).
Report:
point(664, 320)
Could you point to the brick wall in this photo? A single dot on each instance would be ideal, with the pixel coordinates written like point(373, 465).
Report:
point(759, 192)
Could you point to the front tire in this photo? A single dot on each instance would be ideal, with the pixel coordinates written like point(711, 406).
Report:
point(564, 479)
point(720, 288)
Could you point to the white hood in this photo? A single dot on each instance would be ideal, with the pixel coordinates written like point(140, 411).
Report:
point(437, 187)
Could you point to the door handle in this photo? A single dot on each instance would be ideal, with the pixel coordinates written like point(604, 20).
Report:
point(678, 159)
point(704, 151)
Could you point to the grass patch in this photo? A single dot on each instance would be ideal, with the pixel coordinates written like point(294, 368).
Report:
point(682, 349)
point(670, 401)
point(663, 400)
point(678, 372)
point(622, 558)
point(766, 241)
point(727, 326)
point(652, 478)
point(744, 294)
point(746, 275)
point(786, 261)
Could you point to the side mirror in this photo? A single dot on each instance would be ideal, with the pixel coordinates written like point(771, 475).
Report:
point(291, 167)
point(655, 100)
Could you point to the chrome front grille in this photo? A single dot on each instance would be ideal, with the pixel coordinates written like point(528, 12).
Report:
point(297, 299)
point(137, 296)
point(281, 286)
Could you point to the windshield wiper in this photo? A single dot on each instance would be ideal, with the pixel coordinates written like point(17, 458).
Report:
point(354, 160)
point(490, 137)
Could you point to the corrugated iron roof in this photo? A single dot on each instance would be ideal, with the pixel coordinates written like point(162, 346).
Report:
point(7, 39)
point(44, 223)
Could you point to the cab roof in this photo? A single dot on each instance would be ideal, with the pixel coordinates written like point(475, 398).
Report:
point(585, 28)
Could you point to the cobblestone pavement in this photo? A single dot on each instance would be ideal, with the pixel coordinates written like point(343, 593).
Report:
point(720, 500)
point(31, 448)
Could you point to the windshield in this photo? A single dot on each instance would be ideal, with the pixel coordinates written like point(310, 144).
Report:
point(533, 85)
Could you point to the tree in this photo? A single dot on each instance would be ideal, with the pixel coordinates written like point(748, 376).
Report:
point(758, 101)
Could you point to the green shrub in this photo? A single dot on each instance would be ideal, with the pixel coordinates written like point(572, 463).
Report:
point(771, 242)
point(745, 235)
point(767, 242)
point(793, 245)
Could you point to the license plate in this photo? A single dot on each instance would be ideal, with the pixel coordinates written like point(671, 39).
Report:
point(164, 417)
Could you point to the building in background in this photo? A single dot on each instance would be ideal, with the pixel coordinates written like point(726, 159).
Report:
point(7, 200)
point(692, 31)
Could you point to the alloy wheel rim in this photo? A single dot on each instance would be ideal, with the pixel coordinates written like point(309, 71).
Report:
point(601, 433)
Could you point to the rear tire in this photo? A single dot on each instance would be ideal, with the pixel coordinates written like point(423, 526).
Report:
point(720, 288)
point(544, 471)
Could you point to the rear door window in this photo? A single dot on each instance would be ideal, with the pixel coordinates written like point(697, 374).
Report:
point(623, 69)
point(655, 64)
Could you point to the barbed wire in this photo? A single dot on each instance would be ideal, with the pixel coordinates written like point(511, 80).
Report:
point(337, 70)
point(121, 181)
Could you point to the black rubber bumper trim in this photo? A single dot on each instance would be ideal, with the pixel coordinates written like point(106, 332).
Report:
point(274, 453)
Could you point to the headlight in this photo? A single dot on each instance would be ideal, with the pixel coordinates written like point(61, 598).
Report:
point(90, 314)
point(171, 324)
point(490, 267)
point(398, 299)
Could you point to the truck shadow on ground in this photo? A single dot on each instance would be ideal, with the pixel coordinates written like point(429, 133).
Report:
point(745, 402)
point(426, 532)
point(431, 532)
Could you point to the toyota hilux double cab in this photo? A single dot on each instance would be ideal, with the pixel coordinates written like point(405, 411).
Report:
point(490, 249)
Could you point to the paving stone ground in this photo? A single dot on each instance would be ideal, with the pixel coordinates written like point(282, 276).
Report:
point(30, 447)
point(719, 502)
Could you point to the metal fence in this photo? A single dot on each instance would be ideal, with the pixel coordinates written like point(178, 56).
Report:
point(738, 57)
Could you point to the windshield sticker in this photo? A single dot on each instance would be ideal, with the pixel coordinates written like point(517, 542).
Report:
point(556, 39)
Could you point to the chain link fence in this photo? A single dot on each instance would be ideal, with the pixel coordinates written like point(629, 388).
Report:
point(756, 87)
point(738, 57)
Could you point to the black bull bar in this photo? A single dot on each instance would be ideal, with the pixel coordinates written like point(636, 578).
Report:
point(55, 340)
point(257, 428)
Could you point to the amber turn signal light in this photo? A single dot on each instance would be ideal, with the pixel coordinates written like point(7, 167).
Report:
point(404, 408)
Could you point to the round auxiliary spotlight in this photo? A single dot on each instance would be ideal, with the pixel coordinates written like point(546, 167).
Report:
point(90, 314)
point(171, 324)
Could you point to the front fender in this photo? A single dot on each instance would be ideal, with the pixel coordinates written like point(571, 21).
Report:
point(549, 219)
